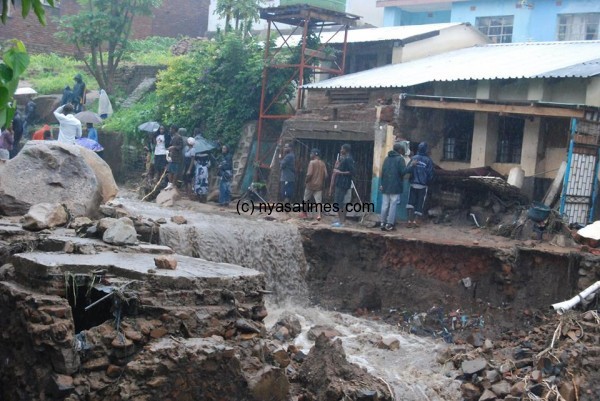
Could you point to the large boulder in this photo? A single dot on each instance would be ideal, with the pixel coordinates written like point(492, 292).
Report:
point(52, 172)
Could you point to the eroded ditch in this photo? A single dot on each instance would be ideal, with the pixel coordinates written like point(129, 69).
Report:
point(187, 337)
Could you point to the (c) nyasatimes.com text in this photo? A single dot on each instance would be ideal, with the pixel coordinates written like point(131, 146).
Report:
point(249, 206)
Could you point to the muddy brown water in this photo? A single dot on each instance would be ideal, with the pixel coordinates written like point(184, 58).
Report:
point(277, 250)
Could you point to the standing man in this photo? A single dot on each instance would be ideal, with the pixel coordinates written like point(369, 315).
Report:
point(288, 174)
point(225, 176)
point(421, 174)
point(342, 176)
point(18, 124)
point(30, 116)
point(78, 93)
point(315, 178)
point(176, 155)
point(392, 183)
point(70, 127)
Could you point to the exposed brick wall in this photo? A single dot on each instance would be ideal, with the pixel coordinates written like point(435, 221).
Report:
point(174, 18)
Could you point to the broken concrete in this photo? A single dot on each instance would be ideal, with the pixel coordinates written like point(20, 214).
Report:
point(45, 215)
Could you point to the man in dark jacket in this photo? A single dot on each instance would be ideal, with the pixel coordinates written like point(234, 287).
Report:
point(391, 186)
point(421, 174)
point(176, 156)
point(288, 174)
point(342, 180)
point(225, 176)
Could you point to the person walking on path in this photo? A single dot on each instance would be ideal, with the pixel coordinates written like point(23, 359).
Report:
point(70, 127)
point(287, 178)
point(342, 179)
point(313, 184)
point(421, 174)
point(392, 182)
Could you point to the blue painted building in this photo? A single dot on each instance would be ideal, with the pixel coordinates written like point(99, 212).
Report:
point(504, 21)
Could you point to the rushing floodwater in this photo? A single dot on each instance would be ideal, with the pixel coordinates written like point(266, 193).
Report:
point(276, 250)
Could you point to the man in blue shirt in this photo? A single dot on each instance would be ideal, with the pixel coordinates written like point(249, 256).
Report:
point(421, 174)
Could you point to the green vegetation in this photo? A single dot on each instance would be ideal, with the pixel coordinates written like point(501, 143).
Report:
point(126, 121)
point(154, 50)
point(50, 73)
point(14, 62)
point(15, 59)
point(218, 87)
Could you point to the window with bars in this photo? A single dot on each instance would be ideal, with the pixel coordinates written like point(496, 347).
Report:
point(458, 136)
point(498, 29)
point(510, 140)
point(584, 26)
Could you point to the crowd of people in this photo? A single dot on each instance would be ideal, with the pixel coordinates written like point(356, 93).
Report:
point(397, 168)
point(70, 127)
point(171, 161)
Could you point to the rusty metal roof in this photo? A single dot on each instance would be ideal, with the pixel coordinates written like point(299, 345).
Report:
point(481, 62)
point(364, 35)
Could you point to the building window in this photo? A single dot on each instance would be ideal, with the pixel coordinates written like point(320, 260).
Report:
point(583, 26)
point(510, 140)
point(498, 29)
point(458, 136)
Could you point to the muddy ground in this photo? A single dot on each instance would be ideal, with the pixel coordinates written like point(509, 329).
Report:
point(487, 295)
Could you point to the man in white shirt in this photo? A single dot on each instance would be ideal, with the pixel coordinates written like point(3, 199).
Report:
point(70, 127)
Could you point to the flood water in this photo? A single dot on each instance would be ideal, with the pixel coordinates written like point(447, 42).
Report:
point(275, 249)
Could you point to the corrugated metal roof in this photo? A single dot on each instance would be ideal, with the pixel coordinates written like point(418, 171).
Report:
point(481, 62)
point(375, 34)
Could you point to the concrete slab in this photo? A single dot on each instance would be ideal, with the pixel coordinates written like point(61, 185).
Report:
point(190, 272)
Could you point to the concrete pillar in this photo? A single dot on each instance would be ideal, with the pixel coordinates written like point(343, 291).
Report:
point(383, 142)
point(486, 90)
point(529, 154)
point(531, 139)
point(485, 140)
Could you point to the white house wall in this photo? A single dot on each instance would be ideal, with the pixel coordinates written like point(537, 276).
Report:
point(454, 38)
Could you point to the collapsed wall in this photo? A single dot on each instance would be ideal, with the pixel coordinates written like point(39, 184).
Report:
point(374, 272)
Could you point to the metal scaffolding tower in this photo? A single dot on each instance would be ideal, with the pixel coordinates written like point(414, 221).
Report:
point(310, 20)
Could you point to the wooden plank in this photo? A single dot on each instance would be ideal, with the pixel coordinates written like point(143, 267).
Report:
point(543, 111)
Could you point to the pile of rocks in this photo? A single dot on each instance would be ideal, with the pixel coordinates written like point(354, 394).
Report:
point(558, 358)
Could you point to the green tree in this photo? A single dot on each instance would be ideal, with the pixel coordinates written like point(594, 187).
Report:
point(218, 87)
point(15, 58)
point(102, 30)
point(243, 12)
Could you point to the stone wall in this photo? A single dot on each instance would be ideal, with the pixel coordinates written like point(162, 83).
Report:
point(129, 77)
